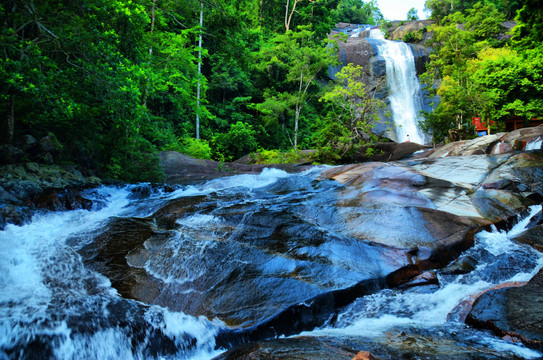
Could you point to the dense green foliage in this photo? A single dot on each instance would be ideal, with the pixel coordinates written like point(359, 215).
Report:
point(357, 12)
point(476, 71)
point(350, 116)
point(442, 8)
point(114, 81)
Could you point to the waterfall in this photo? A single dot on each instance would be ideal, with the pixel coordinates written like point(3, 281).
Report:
point(405, 95)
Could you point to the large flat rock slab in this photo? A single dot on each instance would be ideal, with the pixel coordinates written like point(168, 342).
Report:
point(480, 187)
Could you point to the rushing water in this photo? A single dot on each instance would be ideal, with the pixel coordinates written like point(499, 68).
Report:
point(535, 144)
point(53, 306)
point(405, 95)
point(440, 311)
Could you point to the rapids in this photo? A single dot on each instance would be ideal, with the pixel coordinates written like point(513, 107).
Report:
point(56, 303)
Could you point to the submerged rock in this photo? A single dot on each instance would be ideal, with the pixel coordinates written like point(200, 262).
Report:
point(406, 344)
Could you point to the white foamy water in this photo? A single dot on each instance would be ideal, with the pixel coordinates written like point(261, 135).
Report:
point(405, 95)
point(48, 295)
point(266, 177)
point(374, 315)
point(535, 144)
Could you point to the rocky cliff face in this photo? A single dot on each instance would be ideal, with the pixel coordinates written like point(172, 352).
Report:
point(400, 29)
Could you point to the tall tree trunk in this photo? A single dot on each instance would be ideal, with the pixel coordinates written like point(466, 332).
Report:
point(288, 17)
point(296, 119)
point(147, 85)
point(199, 71)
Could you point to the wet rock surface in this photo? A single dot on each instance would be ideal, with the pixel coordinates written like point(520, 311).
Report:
point(302, 248)
point(533, 237)
point(515, 312)
point(202, 252)
point(406, 344)
point(306, 248)
point(484, 188)
point(183, 169)
point(29, 187)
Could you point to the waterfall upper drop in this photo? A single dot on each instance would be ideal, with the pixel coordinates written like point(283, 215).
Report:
point(405, 95)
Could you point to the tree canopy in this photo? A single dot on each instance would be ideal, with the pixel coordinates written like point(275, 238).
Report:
point(476, 72)
point(115, 81)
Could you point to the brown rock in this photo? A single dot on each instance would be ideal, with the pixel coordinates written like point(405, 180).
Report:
point(499, 143)
point(59, 200)
point(364, 355)
point(533, 237)
point(183, 169)
point(352, 174)
point(519, 138)
point(295, 348)
point(425, 278)
point(356, 51)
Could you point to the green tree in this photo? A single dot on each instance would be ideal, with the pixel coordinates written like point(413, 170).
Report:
point(295, 59)
point(279, 16)
point(233, 38)
point(412, 14)
point(456, 41)
point(111, 79)
point(357, 12)
point(529, 30)
point(351, 114)
point(238, 141)
point(512, 83)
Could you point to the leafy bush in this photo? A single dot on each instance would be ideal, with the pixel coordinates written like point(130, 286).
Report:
point(280, 157)
point(238, 141)
point(414, 36)
point(133, 161)
point(197, 148)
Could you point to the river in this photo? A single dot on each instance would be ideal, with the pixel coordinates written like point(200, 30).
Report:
point(55, 303)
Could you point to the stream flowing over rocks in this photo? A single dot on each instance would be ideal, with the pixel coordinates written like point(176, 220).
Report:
point(433, 256)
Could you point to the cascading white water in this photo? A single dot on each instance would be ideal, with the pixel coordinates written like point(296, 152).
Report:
point(405, 95)
point(535, 144)
point(374, 315)
point(48, 296)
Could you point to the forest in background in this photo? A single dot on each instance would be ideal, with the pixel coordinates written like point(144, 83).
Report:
point(115, 82)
